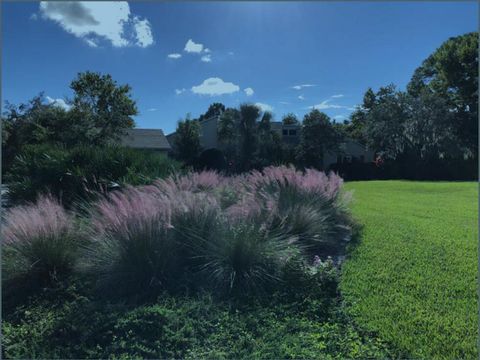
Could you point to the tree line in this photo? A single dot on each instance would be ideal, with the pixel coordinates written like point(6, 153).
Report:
point(430, 130)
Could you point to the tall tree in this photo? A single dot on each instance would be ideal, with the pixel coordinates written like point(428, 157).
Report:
point(215, 109)
point(317, 138)
point(249, 115)
point(451, 73)
point(290, 119)
point(102, 108)
point(187, 146)
point(385, 122)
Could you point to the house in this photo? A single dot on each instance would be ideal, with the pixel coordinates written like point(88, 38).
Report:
point(146, 139)
point(350, 150)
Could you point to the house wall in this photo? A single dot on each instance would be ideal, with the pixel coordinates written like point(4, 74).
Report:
point(350, 151)
point(208, 133)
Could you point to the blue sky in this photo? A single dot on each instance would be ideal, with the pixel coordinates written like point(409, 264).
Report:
point(229, 52)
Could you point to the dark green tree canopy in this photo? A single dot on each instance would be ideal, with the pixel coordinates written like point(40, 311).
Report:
point(290, 119)
point(101, 106)
point(451, 73)
point(187, 146)
point(215, 109)
point(317, 138)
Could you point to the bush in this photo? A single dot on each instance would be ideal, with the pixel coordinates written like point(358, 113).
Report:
point(133, 250)
point(80, 173)
point(205, 231)
point(40, 243)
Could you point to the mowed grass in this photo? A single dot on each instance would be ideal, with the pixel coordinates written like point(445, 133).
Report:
point(413, 276)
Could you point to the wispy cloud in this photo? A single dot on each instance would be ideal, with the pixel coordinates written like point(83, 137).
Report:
point(174, 56)
point(301, 97)
point(324, 105)
point(93, 21)
point(152, 109)
point(180, 91)
point(337, 96)
point(300, 87)
point(248, 91)
point(264, 107)
point(215, 86)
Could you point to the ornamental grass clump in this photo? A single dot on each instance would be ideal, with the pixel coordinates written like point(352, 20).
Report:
point(133, 250)
point(40, 243)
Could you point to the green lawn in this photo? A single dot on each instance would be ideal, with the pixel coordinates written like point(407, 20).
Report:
point(413, 276)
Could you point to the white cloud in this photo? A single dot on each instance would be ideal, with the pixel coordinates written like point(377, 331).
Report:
point(174, 56)
point(206, 58)
point(95, 20)
point(301, 97)
point(58, 102)
point(324, 105)
point(249, 91)
point(91, 42)
point(180, 91)
point(207, 50)
point(264, 107)
point(33, 16)
point(215, 86)
point(192, 47)
point(152, 109)
point(143, 32)
point(337, 96)
point(300, 87)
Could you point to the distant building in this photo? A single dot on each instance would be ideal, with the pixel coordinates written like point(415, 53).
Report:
point(146, 139)
point(350, 150)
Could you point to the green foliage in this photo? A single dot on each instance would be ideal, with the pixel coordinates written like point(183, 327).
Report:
point(451, 73)
point(100, 112)
point(215, 109)
point(79, 173)
point(69, 323)
point(413, 277)
point(290, 119)
point(187, 141)
point(104, 107)
point(385, 121)
point(318, 137)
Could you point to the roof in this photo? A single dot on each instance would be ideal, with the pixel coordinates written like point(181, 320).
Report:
point(145, 139)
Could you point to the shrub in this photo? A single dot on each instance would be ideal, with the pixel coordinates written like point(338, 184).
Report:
point(40, 242)
point(133, 250)
point(80, 173)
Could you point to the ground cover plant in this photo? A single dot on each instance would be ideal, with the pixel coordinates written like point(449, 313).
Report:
point(413, 276)
point(196, 265)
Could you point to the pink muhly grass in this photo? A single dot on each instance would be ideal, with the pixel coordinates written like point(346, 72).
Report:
point(44, 218)
point(39, 238)
point(312, 181)
point(193, 181)
point(121, 208)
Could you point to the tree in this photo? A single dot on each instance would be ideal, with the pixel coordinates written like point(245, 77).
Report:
point(187, 146)
point(34, 122)
point(451, 73)
point(215, 109)
point(228, 135)
point(102, 109)
point(249, 115)
point(269, 149)
point(317, 138)
point(385, 122)
point(290, 119)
